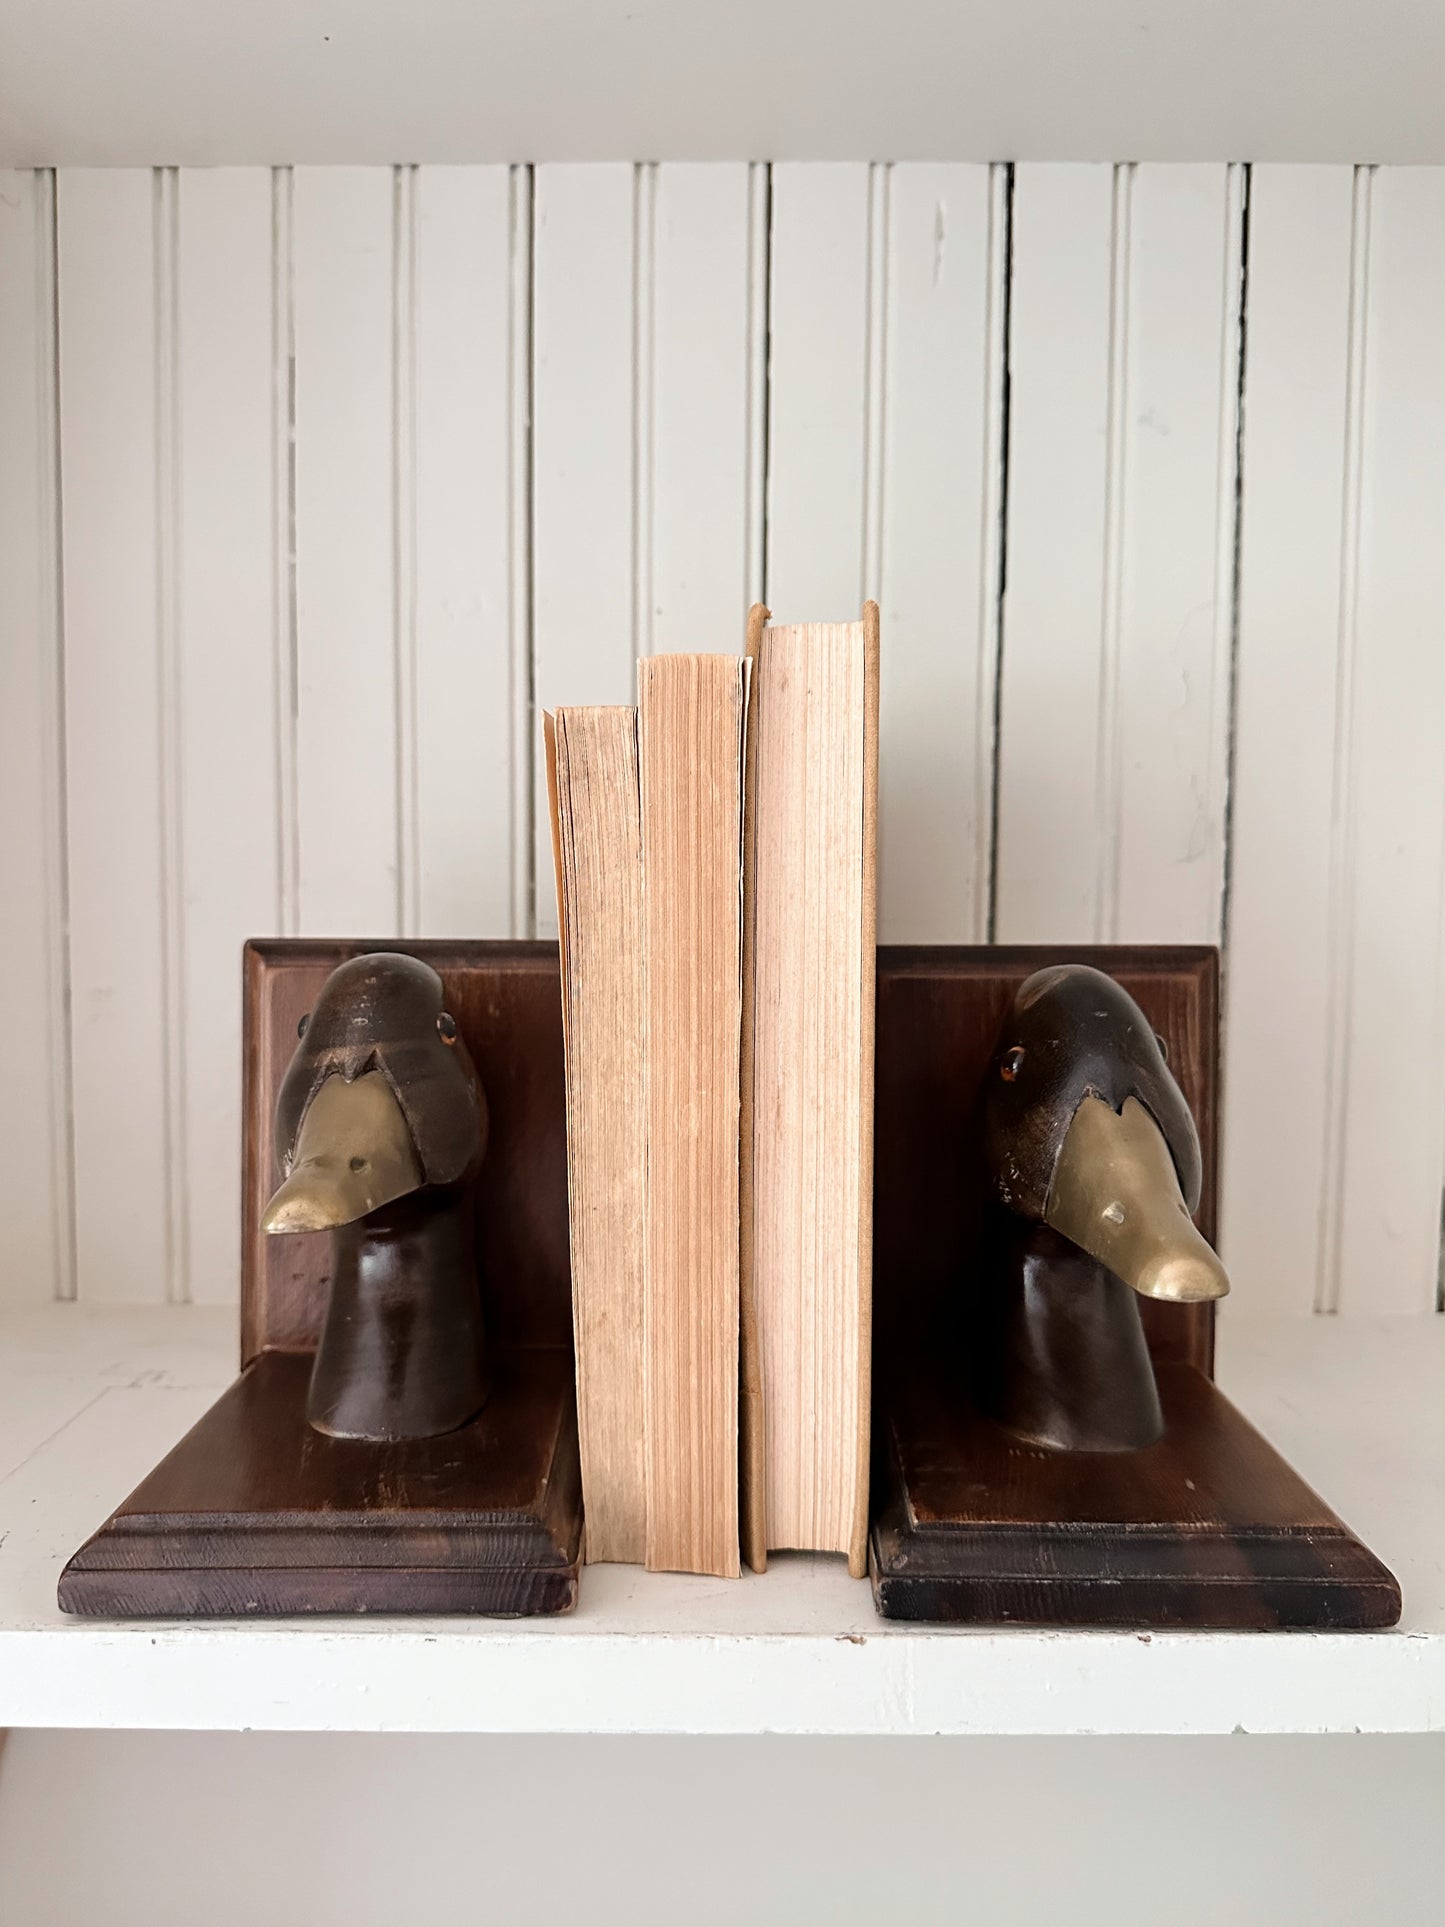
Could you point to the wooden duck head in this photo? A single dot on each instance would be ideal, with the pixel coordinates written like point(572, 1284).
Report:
point(381, 1125)
point(1093, 1159)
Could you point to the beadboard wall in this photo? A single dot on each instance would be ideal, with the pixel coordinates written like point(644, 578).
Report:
point(316, 485)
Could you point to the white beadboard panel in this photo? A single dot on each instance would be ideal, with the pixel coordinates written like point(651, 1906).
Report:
point(1287, 799)
point(1121, 488)
point(343, 234)
point(818, 401)
point(461, 625)
point(697, 323)
point(942, 489)
point(1176, 556)
point(114, 280)
point(584, 561)
point(1054, 670)
point(34, 1131)
point(230, 824)
point(545, 419)
point(1383, 1252)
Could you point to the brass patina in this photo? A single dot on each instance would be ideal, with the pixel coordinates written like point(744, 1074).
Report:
point(1115, 1193)
point(354, 1153)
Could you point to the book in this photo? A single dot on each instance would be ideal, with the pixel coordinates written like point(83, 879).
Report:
point(692, 713)
point(716, 892)
point(806, 1218)
point(592, 782)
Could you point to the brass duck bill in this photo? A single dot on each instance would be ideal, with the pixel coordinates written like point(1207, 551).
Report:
point(354, 1153)
point(1115, 1193)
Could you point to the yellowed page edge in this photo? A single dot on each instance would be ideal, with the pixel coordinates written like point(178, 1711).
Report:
point(752, 1440)
point(858, 1547)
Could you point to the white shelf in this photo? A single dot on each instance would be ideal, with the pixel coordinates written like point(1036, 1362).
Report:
point(90, 1399)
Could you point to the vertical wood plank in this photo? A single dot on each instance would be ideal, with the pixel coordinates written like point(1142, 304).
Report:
point(34, 1130)
point(1117, 647)
point(939, 579)
point(818, 402)
point(1166, 833)
point(343, 229)
point(110, 377)
point(1287, 767)
point(462, 620)
point(583, 471)
point(526, 754)
point(1382, 1254)
point(583, 482)
point(229, 790)
point(696, 593)
point(1051, 848)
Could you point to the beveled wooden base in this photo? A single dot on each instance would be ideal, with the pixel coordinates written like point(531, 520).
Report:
point(1209, 1527)
point(254, 1512)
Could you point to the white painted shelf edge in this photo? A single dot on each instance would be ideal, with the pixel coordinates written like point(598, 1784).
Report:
point(89, 1399)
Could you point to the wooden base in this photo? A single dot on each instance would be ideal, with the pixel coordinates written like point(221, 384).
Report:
point(254, 1512)
point(1209, 1527)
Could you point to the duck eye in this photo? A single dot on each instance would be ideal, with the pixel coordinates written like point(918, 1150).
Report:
point(301, 1026)
point(1012, 1064)
point(447, 1027)
point(1163, 1047)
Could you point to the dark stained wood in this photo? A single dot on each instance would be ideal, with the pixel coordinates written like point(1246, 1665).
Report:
point(971, 1523)
point(940, 1009)
point(257, 1512)
point(1209, 1527)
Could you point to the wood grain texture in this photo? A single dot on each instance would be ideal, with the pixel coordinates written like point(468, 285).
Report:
point(253, 1512)
point(35, 1163)
point(1209, 1527)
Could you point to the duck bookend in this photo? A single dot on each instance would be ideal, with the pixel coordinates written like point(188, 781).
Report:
point(1050, 1448)
point(382, 1123)
point(403, 1435)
